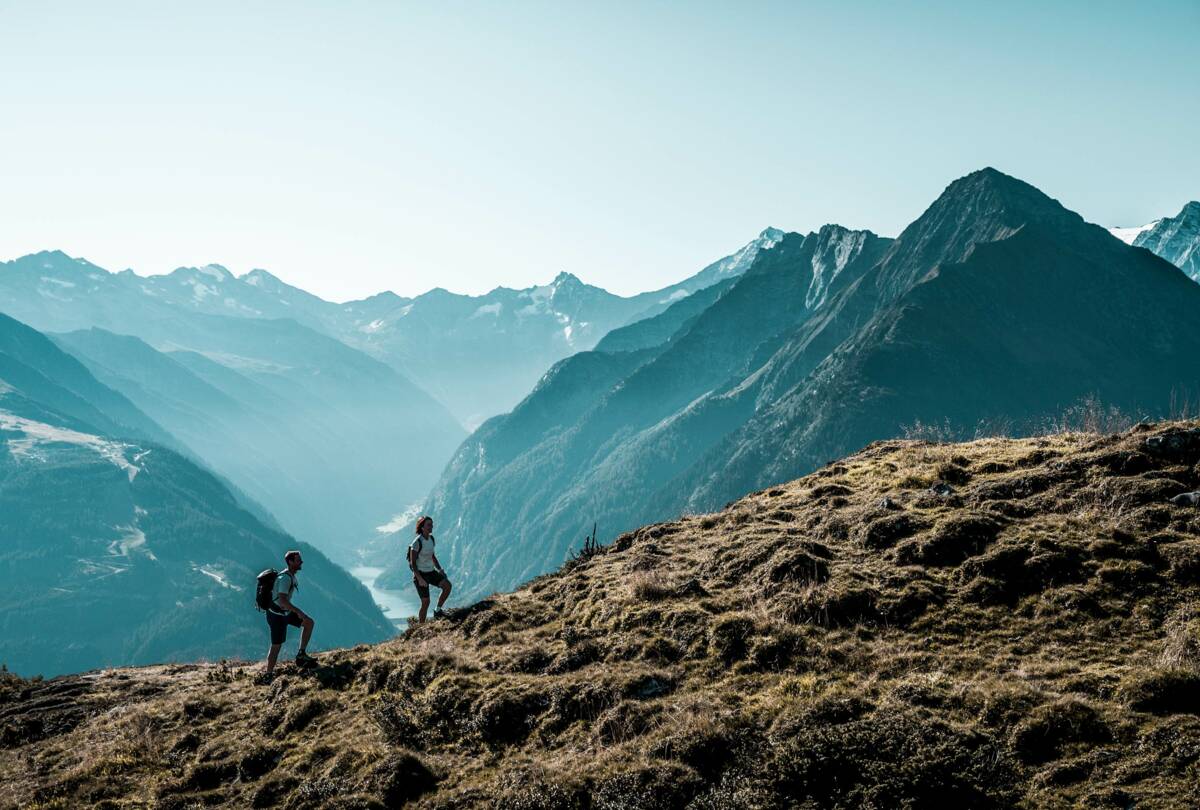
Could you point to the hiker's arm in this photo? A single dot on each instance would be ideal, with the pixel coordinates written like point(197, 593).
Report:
point(412, 564)
point(285, 602)
point(437, 564)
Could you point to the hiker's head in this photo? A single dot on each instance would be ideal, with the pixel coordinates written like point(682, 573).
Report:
point(424, 525)
point(293, 560)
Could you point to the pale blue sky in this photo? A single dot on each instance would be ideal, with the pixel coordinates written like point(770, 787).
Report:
point(351, 147)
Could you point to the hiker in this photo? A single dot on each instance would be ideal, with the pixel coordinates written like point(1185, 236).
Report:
point(282, 612)
point(426, 568)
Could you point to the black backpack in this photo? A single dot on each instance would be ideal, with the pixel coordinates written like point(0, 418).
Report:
point(263, 596)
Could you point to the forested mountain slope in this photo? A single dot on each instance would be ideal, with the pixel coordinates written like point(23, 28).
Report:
point(118, 550)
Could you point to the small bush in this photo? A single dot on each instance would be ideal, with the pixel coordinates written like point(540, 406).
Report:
point(300, 715)
point(886, 531)
point(258, 762)
point(645, 586)
point(894, 759)
point(400, 778)
point(953, 541)
point(625, 721)
point(729, 638)
point(536, 789)
point(504, 717)
point(1181, 650)
point(1164, 691)
point(1051, 727)
point(656, 786)
point(272, 792)
point(399, 718)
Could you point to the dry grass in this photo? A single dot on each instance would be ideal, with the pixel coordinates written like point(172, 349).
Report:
point(1026, 635)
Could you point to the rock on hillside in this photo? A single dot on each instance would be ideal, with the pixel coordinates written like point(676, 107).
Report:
point(994, 624)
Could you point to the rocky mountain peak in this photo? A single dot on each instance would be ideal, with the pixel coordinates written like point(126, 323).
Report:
point(1176, 239)
point(261, 278)
point(565, 279)
point(984, 206)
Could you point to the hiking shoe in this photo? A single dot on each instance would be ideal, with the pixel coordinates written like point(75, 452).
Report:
point(439, 614)
point(305, 660)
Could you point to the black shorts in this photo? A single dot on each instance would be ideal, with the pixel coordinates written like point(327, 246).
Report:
point(279, 624)
point(434, 578)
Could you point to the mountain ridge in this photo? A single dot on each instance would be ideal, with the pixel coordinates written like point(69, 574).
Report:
point(942, 303)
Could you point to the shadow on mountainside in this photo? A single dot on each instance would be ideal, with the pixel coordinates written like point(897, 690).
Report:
point(991, 624)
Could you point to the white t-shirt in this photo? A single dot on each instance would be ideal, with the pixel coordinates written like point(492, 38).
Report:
point(425, 553)
point(285, 583)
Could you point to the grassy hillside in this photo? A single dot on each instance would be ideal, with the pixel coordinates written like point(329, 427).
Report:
point(1004, 623)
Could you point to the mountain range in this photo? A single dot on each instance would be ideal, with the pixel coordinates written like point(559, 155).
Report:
point(121, 550)
point(307, 406)
point(996, 305)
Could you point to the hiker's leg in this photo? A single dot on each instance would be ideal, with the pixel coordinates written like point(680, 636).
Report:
point(445, 593)
point(306, 633)
point(272, 657)
point(424, 608)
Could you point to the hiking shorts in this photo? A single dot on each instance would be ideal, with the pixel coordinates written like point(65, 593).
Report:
point(431, 578)
point(278, 622)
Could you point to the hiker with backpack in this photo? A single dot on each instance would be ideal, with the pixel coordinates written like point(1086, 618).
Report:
point(426, 568)
point(274, 596)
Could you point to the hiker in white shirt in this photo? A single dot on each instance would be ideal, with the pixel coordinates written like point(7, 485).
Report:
point(426, 568)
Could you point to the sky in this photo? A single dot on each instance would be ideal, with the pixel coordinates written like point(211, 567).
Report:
point(353, 147)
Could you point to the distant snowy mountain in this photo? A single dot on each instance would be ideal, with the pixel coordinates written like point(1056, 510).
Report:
point(1127, 235)
point(1176, 239)
point(313, 429)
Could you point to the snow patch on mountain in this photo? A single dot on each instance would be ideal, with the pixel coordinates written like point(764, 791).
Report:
point(488, 309)
point(400, 520)
point(1127, 235)
point(215, 574)
point(740, 261)
point(214, 271)
point(132, 540)
point(837, 246)
point(39, 433)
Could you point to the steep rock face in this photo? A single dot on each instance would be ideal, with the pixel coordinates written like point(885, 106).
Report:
point(118, 550)
point(869, 635)
point(1041, 312)
point(513, 512)
point(1176, 239)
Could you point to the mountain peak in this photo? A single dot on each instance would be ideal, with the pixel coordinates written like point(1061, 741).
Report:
point(213, 271)
point(566, 278)
point(984, 206)
point(993, 181)
point(260, 278)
